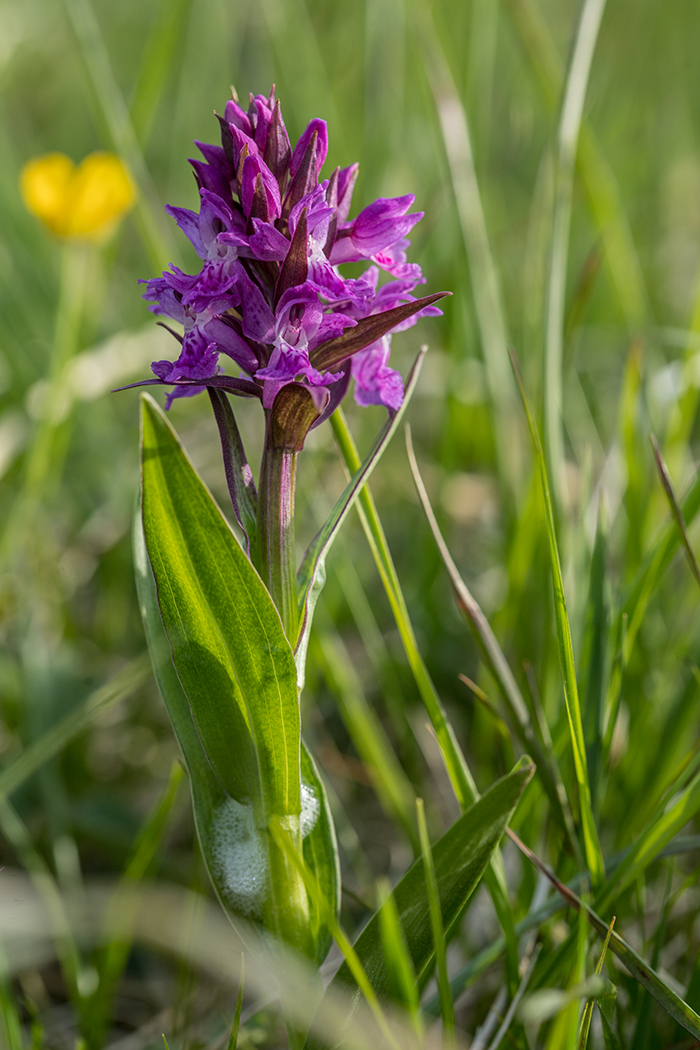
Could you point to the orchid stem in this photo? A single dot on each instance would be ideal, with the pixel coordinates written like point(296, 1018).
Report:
point(276, 522)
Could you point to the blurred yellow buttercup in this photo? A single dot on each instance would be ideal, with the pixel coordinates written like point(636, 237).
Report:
point(83, 202)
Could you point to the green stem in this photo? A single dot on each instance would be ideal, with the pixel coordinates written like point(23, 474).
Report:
point(276, 522)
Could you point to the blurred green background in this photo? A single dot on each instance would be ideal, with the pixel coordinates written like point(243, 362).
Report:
point(400, 82)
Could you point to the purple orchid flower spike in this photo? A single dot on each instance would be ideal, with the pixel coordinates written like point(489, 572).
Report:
point(271, 300)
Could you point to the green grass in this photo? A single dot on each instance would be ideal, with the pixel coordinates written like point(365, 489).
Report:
point(561, 210)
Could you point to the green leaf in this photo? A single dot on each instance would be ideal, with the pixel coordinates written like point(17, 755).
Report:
point(232, 695)
point(663, 827)
point(227, 642)
point(460, 858)
point(447, 1006)
point(595, 654)
point(312, 572)
point(209, 800)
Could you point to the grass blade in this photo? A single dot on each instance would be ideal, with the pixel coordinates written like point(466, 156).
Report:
point(667, 823)
point(568, 135)
point(495, 660)
point(460, 858)
point(369, 737)
point(455, 762)
point(595, 655)
point(150, 217)
point(351, 957)
point(488, 299)
point(402, 976)
point(311, 576)
point(640, 970)
point(675, 506)
point(156, 64)
point(131, 678)
point(456, 765)
point(584, 1029)
point(233, 1041)
point(594, 856)
point(515, 1001)
point(447, 1007)
point(601, 186)
point(122, 908)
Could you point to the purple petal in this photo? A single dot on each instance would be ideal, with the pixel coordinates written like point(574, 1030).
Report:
point(375, 382)
point(237, 116)
point(215, 280)
point(229, 342)
point(320, 128)
point(182, 391)
point(258, 320)
point(263, 112)
point(267, 243)
point(347, 177)
point(378, 226)
point(188, 221)
point(210, 178)
point(198, 360)
point(332, 325)
point(167, 301)
point(254, 166)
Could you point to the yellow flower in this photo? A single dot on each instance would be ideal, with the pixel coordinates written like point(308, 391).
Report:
point(84, 202)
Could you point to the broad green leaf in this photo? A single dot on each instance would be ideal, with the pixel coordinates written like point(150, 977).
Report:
point(312, 572)
point(237, 671)
point(227, 642)
point(460, 858)
point(209, 799)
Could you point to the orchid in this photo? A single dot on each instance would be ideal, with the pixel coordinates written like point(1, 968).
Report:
point(271, 238)
point(270, 298)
